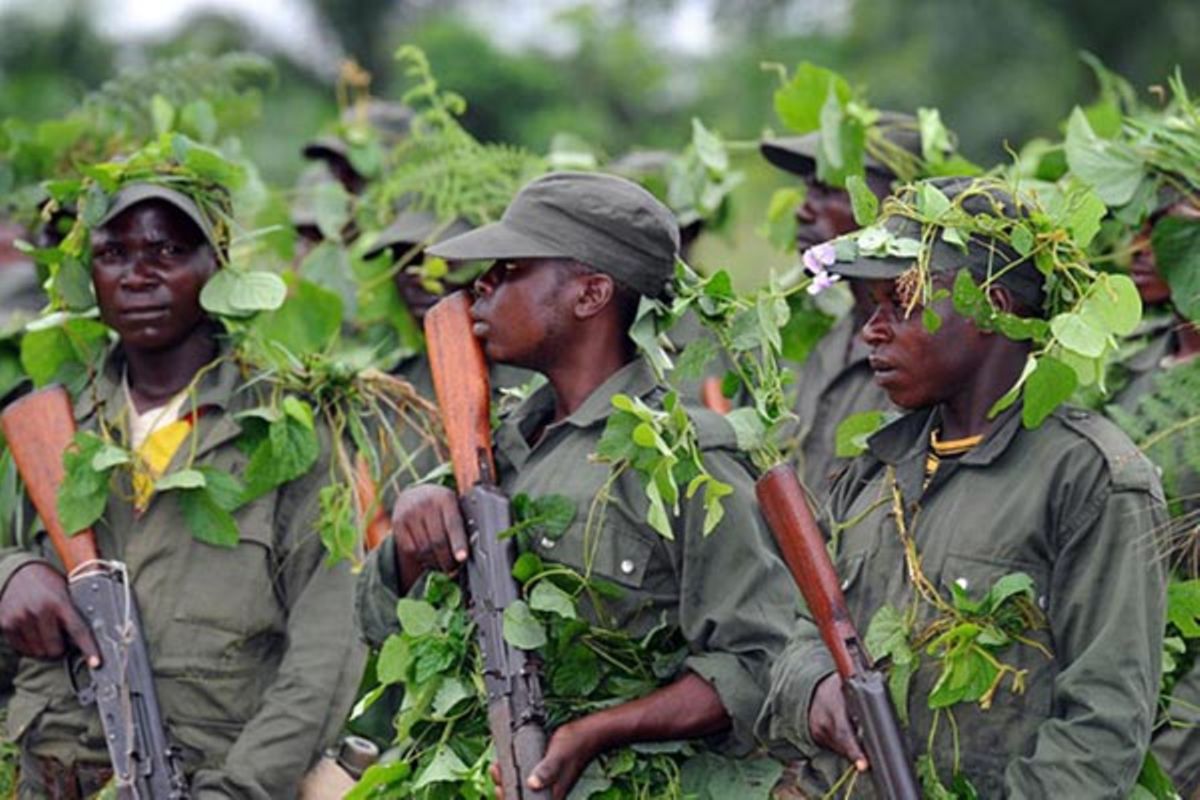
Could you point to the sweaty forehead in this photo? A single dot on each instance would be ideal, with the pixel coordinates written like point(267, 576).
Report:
point(153, 220)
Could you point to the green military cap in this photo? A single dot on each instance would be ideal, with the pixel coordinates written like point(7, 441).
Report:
point(798, 154)
point(888, 248)
point(391, 121)
point(608, 223)
point(413, 227)
point(132, 194)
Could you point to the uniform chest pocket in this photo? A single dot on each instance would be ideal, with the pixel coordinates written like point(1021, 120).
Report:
point(616, 551)
point(234, 589)
point(976, 575)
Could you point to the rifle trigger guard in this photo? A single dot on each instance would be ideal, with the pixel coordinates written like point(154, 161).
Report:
point(86, 694)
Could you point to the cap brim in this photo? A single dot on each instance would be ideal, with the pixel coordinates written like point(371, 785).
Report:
point(135, 193)
point(794, 154)
point(324, 147)
point(493, 242)
point(415, 228)
point(872, 269)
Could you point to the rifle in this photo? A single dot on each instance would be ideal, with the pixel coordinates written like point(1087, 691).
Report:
point(39, 429)
point(786, 510)
point(516, 713)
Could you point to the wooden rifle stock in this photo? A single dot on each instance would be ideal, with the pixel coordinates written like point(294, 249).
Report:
point(39, 428)
point(516, 710)
point(785, 507)
point(465, 405)
point(712, 396)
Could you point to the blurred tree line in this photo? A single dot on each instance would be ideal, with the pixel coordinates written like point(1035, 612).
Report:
point(999, 70)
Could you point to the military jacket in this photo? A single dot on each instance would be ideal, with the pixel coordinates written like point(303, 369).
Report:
point(253, 647)
point(1072, 504)
point(833, 383)
point(728, 592)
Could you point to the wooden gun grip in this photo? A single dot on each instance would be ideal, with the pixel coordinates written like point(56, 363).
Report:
point(460, 380)
point(39, 428)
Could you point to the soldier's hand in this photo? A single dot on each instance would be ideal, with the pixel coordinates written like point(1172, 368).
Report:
point(570, 750)
point(429, 530)
point(829, 723)
point(38, 618)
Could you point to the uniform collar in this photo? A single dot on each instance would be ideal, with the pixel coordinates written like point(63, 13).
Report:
point(635, 379)
point(907, 438)
point(217, 389)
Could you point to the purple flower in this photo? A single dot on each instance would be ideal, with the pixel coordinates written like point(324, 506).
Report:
point(818, 257)
point(822, 281)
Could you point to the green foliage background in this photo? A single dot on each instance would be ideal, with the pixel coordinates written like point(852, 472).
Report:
point(999, 71)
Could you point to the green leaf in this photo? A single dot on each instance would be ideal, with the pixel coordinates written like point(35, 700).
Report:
point(852, 432)
point(709, 148)
point(930, 319)
point(242, 293)
point(417, 618)
point(549, 598)
point(181, 479)
point(198, 120)
point(526, 566)
point(328, 266)
point(711, 776)
point(1050, 384)
point(931, 202)
point(521, 628)
point(554, 514)
point(748, 427)
point(206, 519)
point(695, 359)
point(1112, 170)
point(887, 633)
point(1011, 585)
point(966, 676)
point(798, 103)
point(446, 767)
point(394, 660)
point(111, 456)
point(288, 451)
point(83, 495)
point(863, 201)
point(780, 226)
point(1114, 303)
point(576, 673)
point(616, 443)
point(309, 321)
point(1183, 607)
point(1080, 333)
point(1022, 239)
point(225, 489)
point(450, 693)
point(1176, 243)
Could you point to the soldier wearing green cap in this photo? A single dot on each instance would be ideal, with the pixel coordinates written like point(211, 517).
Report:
point(835, 381)
point(254, 656)
point(1057, 697)
point(573, 254)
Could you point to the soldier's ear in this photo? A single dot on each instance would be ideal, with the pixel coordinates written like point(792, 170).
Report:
point(1002, 299)
point(596, 292)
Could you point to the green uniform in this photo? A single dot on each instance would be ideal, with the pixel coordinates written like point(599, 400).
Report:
point(1073, 504)
point(255, 658)
point(1177, 745)
point(728, 592)
point(834, 382)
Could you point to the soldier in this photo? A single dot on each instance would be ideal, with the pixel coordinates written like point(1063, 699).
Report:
point(948, 496)
point(1171, 341)
point(20, 291)
point(389, 121)
point(253, 649)
point(835, 380)
point(573, 255)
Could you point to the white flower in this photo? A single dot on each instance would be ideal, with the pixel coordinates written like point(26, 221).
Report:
point(822, 281)
point(818, 257)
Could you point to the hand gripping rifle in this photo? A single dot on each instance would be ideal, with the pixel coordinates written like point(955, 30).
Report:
point(516, 713)
point(787, 513)
point(39, 429)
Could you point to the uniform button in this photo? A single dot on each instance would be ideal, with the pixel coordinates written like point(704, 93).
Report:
point(1042, 602)
point(548, 543)
point(962, 583)
point(627, 567)
point(845, 584)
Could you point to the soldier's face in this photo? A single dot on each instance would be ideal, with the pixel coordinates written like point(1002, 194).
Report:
point(825, 214)
point(521, 311)
point(148, 267)
point(1150, 283)
point(917, 368)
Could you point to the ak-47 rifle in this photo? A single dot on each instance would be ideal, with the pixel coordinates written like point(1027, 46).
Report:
point(516, 713)
point(39, 429)
point(786, 510)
